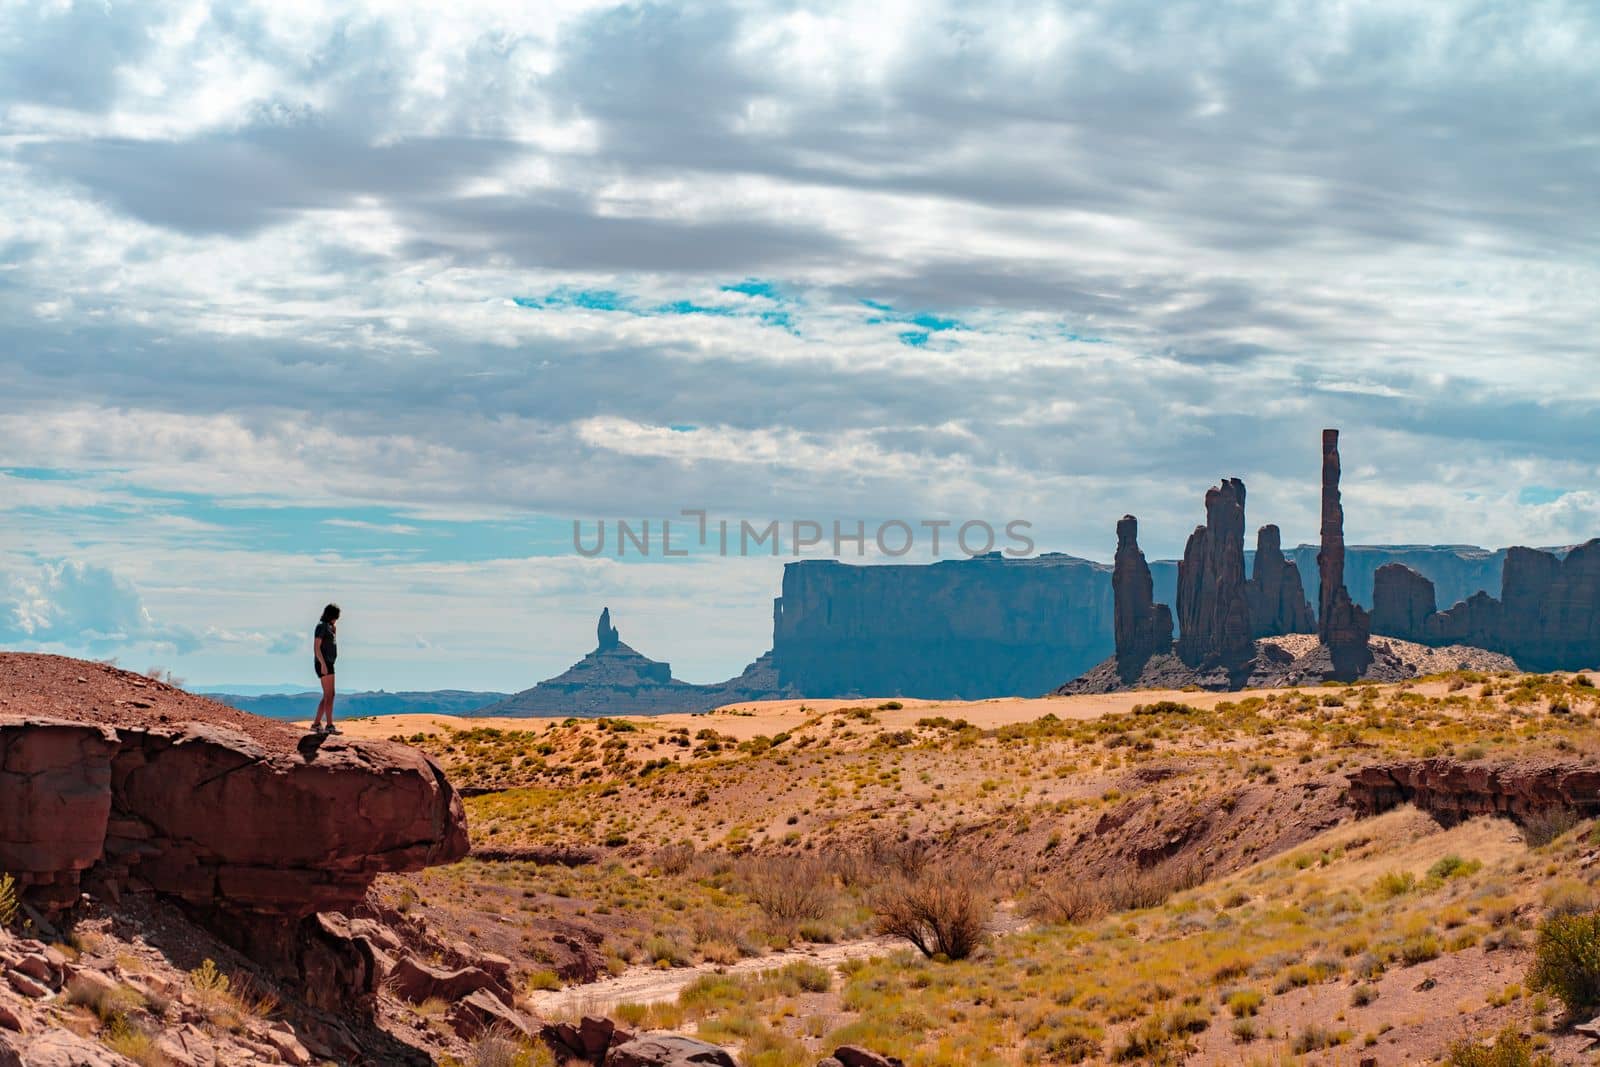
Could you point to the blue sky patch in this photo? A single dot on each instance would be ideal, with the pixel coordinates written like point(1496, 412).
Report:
point(1540, 494)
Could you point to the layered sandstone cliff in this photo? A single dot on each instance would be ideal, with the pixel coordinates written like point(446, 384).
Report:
point(116, 784)
point(982, 627)
point(1452, 790)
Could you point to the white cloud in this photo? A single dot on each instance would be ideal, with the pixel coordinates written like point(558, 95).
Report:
point(75, 605)
point(267, 256)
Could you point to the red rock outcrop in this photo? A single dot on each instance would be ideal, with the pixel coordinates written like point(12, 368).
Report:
point(1277, 599)
point(1341, 623)
point(118, 784)
point(1213, 612)
point(1451, 790)
point(1143, 628)
point(1546, 618)
point(1402, 602)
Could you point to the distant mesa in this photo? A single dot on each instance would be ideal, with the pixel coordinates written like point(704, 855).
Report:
point(616, 679)
point(1235, 632)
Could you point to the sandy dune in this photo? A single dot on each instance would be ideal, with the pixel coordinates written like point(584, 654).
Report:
point(744, 721)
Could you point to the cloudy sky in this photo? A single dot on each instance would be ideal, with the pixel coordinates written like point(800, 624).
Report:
point(369, 302)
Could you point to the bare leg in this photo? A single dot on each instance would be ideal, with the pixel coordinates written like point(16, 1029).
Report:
point(325, 705)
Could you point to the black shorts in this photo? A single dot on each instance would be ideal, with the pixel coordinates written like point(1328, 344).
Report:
point(318, 668)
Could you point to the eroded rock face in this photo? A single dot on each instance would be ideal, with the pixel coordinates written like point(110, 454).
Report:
point(1341, 623)
point(1451, 790)
point(1143, 628)
point(1276, 596)
point(1213, 612)
point(1546, 618)
point(1402, 601)
point(254, 840)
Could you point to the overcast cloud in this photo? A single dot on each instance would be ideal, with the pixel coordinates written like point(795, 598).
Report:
point(466, 265)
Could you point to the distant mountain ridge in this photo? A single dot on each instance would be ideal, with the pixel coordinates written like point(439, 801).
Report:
point(377, 702)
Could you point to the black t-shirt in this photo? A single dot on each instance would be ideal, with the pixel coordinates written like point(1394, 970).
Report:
point(330, 643)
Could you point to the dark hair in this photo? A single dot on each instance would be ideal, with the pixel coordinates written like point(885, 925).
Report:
point(330, 613)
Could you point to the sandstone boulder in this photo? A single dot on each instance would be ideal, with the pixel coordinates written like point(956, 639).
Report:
point(416, 981)
point(480, 1011)
point(668, 1050)
point(856, 1056)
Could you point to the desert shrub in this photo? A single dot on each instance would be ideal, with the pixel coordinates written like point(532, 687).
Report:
point(1244, 1002)
point(1419, 948)
point(942, 912)
point(503, 1047)
point(1314, 1037)
point(1566, 961)
point(1362, 995)
point(125, 1039)
point(1133, 889)
point(1543, 827)
point(1568, 897)
point(809, 977)
point(666, 951)
point(789, 890)
point(111, 1006)
point(8, 900)
point(544, 979)
point(1162, 1038)
point(1065, 901)
point(1453, 866)
point(1394, 884)
point(1510, 1049)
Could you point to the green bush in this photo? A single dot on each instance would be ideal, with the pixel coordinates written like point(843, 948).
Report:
point(1566, 961)
point(1510, 1049)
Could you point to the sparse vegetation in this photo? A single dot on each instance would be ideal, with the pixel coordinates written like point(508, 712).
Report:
point(941, 911)
point(1567, 961)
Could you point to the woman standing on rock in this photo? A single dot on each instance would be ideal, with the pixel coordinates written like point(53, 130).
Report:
point(325, 644)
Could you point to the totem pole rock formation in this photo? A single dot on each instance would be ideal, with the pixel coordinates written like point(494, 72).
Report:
point(1213, 612)
point(1278, 603)
point(1143, 628)
point(1341, 623)
point(606, 635)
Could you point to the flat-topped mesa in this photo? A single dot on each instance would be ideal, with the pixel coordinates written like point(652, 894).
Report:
point(1213, 612)
point(1342, 625)
point(1278, 603)
point(606, 635)
point(1143, 628)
